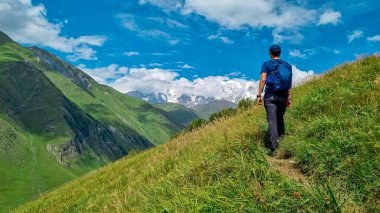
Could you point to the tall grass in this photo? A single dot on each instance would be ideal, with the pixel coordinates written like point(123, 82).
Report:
point(333, 135)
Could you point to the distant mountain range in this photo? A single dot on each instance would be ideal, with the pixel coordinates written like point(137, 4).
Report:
point(57, 123)
point(204, 106)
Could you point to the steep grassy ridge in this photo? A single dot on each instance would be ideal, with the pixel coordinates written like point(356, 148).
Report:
point(57, 123)
point(105, 104)
point(46, 138)
point(333, 136)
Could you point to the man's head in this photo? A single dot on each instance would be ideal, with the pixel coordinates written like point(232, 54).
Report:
point(275, 51)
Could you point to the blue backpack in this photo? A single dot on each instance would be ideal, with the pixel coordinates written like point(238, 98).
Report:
point(280, 78)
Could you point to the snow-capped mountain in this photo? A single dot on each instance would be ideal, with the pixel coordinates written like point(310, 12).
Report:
point(149, 97)
point(204, 106)
point(190, 101)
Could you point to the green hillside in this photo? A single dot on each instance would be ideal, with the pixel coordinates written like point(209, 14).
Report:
point(107, 105)
point(57, 123)
point(333, 138)
point(205, 110)
point(178, 113)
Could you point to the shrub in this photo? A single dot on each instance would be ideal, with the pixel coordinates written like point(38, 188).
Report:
point(197, 123)
point(222, 114)
point(245, 103)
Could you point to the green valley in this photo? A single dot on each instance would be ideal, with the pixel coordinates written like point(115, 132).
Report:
point(333, 134)
point(57, 123)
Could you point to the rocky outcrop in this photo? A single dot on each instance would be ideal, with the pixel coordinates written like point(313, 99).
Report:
point(80, 78)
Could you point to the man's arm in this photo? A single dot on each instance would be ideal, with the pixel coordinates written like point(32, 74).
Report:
point(263, 78)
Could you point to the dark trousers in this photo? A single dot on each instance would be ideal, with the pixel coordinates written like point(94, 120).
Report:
point(275, 106)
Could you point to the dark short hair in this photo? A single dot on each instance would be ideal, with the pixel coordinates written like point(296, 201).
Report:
point(275, 50)
point(276, 53)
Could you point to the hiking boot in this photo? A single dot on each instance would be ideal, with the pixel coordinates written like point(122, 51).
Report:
point(271, 152)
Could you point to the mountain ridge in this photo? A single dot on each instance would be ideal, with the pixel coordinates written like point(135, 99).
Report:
point(57, 123)
point(203, 106)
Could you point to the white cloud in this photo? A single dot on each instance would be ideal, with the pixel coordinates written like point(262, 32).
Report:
point(161, 54)
point(280, 16)
point(255, 13)
point(175, 24)
point(306, 53)
point(131, 22)
point(224, 39)
point(174, 41)
point(300, 76)
point(155, 65)
point(236, 74)
point(83, 52)
point(330, 17)
point(186, 66)
point(169, 82)
point(27, 23)
point(102, 74)
point(297, 54)
point(130, 54)
point(128, 21)
point(293, 36)
point(354, 35)
point(336, 51)
point(166, 4)
point(374, 38)
point(169, 22)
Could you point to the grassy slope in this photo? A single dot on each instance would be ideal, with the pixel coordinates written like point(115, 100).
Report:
point(29, 105)
point(333, 134)
point(205, 110)
point(114, 108)
point(179, 113)
point(25, 166)
point(24, 138)
point(147, 120)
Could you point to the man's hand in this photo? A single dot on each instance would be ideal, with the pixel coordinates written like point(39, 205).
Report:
point(289, 103)
point(260, 101)
point(263, 78)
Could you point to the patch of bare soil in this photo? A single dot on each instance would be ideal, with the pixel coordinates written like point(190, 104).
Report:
point(288, 168)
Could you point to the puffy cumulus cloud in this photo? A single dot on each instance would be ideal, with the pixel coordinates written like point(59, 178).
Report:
point(374, 38)
point(168, 82)
point(255, 13)
point(330, 17)
point(354, 35)
point(28, 24)
point(83, 52)
point(300, 76)
point(284, 17)
point(104, 75)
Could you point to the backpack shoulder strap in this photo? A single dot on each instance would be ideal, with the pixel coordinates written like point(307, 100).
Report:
point(276, 63)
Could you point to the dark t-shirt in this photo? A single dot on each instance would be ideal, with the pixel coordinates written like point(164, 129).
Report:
point(267, 67)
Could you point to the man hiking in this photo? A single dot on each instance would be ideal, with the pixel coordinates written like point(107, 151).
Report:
point(276, 76)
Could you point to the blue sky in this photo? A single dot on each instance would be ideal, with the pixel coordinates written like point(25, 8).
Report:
point(194, 39)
